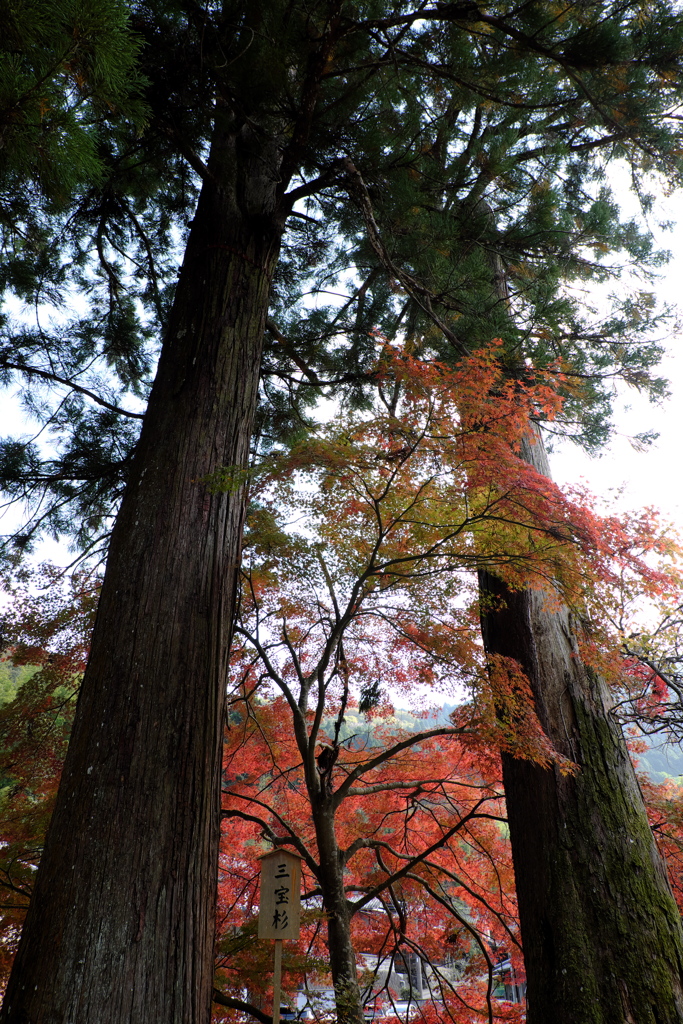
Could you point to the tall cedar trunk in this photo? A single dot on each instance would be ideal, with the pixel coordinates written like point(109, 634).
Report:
point(121, 924)
point(600, 929)
point(335, 904)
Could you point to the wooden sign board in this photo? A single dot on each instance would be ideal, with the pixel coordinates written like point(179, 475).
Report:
point(280, 896)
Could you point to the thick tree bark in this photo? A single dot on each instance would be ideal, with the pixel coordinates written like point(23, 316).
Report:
point(121, 924)
point(600, 929)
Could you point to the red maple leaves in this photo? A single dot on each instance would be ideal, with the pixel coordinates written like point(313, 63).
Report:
point(359, 614)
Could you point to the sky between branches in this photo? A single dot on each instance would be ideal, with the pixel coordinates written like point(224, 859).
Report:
point(653, 476)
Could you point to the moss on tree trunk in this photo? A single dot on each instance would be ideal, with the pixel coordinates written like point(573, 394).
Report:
point(600, 928)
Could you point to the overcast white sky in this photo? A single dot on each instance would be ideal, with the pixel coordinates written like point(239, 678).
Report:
point(655, 476)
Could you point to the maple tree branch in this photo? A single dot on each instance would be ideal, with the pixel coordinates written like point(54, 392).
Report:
point(291, 839)
point(342, 671)
point(332, 644)
point(328, 580)
point(20, 890)
point(656, 669)
point(273, 674)
point(362, 769)
point(413, 861)
point(293, 655)
point(389, 787)
point(473, 932)
point(401, 938)
point(239, 1004)
point(475, 895)
point(305, 741)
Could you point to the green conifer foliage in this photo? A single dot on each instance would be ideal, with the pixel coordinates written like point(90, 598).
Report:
point(64, 68)
point(411, 154)
point(475, 134)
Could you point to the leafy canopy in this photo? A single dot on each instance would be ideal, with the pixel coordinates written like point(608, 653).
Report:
point(428, 152)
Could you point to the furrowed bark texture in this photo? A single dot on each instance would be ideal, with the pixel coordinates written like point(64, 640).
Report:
point(600, 929)
point(121, 924)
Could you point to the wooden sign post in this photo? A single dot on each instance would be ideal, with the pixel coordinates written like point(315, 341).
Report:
point(279, 908)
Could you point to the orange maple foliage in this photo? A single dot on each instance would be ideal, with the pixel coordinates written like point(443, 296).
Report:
point(358, 594)
point(664, 802)
point(358, 591)
point(47, 626)
point(427, 864)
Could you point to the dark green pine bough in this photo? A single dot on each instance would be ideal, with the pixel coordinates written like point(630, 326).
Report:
point(393, 151)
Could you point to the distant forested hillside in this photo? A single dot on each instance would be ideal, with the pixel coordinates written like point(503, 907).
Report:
point(661, 761)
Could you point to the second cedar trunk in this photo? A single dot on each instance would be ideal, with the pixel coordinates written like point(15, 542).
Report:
point(601, 931)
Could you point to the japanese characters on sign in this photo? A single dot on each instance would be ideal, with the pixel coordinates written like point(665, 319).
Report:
point(280, 896)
